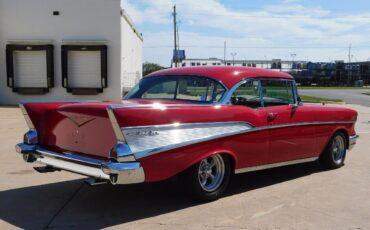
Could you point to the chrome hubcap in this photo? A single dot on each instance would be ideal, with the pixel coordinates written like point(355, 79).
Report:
point(338, 149)
point(211, 173)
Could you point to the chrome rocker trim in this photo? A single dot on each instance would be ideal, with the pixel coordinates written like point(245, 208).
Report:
point(274, 165)
point(115, 172)
point(352, 141)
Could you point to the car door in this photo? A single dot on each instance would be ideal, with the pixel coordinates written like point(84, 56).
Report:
point(252, 148)
point(290, 138)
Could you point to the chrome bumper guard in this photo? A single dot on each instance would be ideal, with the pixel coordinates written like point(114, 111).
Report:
point(115, 172)
point(352, 141)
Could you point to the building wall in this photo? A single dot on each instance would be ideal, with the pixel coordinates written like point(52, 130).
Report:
point(79, 20)
point(132, 54)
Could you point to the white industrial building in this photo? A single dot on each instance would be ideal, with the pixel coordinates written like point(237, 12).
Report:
point(67, 50)
point(274, 64)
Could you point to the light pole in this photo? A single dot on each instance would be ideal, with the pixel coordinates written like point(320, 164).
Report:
point(293, 57)
point(233, 54)
point(267, 64)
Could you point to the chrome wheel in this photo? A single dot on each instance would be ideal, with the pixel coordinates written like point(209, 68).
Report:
point(211, 173)
point(338, 149)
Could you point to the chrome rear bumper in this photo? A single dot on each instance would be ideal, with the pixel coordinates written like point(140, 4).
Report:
point(115, 172)
point(352, 141)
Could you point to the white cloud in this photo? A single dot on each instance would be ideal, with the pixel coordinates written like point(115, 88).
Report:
point(287, 24)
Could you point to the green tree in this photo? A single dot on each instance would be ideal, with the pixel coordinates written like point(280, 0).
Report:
point(150, 68)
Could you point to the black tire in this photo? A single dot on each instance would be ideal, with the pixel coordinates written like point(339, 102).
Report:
point(192, 177)
point(335, 152)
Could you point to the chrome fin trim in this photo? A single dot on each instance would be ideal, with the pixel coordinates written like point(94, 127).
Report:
point(274, 165)
point(26, 116)
point(115, 125)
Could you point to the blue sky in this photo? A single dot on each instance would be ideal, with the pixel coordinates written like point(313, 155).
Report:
point(311, 29)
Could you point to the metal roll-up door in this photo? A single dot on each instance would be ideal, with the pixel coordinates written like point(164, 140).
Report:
point(30, 69)
point(84, 69)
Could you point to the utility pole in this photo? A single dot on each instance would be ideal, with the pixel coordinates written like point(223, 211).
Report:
point(233, 54)
point(349, 64)
point(175, 35)
point(224, 52)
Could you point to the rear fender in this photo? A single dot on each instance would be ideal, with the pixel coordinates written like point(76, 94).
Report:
point(215, 152)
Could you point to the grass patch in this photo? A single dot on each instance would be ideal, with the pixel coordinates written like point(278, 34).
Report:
point(368, 93)
point(319, 99)
point(331, 87)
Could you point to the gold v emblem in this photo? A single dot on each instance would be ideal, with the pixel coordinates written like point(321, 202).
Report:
point(80, 120)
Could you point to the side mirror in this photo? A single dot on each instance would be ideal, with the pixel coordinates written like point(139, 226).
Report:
point(299, 100)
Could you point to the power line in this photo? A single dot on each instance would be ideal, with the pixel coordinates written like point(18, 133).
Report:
point(241, 15)
point(260, 47)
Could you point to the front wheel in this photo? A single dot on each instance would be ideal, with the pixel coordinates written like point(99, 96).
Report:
point(335, 152)
point(208, 179)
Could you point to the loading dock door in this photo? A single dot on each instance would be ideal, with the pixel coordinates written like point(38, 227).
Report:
point(84, 69)
point(30, 69)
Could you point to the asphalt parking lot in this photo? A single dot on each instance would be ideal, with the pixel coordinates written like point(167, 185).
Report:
point(351, 96)
point(295, 197)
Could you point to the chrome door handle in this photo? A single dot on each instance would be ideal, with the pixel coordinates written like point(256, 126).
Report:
point(271, 116)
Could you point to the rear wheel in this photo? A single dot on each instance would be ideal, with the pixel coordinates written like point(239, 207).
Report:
point(208, 179)
point(335, 152)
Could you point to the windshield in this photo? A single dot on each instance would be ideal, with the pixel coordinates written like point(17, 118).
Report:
point(186, 88)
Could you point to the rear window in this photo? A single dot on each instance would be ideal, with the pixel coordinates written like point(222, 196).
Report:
point(186, 88)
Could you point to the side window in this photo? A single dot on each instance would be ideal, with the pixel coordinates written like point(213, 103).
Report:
point(163, 90)
point(247, 94)
point(277, 92)
point(199, 90)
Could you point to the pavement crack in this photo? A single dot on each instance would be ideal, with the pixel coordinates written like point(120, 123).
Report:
point(63, 206)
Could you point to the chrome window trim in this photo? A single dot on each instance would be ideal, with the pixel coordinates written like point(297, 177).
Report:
point(226, 100)
point(188, 75)
point(274, 165)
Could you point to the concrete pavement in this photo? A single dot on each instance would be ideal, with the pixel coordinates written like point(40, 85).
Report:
point(295, 197)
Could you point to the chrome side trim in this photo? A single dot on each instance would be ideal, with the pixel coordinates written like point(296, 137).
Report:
point(352, 141)
point(150, 131)
point(115, 172)
point(148, 140)
point(274, 165)
point(160, 106)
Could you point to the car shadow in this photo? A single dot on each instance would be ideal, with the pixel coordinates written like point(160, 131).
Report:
point(73, 204)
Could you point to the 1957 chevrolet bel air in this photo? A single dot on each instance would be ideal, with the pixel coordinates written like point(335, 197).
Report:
point(202, 123)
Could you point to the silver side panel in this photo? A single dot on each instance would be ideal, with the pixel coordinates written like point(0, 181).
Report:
point(145, 141)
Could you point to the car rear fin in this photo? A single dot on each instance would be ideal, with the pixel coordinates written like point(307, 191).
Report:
point(26, 116)
point(116, 128)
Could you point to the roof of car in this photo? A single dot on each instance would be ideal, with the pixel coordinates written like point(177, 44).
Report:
point(228, 75)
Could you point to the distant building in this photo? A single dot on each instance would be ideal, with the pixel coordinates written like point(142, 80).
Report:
point(67, 50)
point(307, 73)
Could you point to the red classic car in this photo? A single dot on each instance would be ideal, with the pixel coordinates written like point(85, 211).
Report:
point(202, 123)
